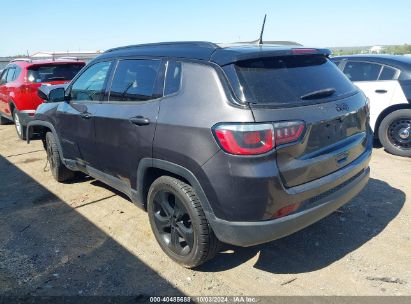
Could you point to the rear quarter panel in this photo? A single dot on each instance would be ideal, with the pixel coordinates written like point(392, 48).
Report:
point(184, 126)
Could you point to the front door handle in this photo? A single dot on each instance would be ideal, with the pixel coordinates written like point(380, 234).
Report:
point(140, 121)
point(381, 91)
point(85, 115)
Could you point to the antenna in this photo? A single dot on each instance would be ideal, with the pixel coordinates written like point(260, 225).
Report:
point(260, 41)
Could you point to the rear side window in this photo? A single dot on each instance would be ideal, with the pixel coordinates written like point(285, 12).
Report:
point(362, 71)
point(336, 62)
point(3, 77)
point(56, 72)
point(10, 74)
point(388, 73)
point(135, 80)
point(17, 72)
point(286, 79)
point(173, 78)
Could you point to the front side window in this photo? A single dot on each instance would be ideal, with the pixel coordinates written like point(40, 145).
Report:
point(362, 71)
point(90, 85)
point(135, 80)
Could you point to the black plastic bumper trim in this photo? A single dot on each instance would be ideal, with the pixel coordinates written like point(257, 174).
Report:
point(253, 233)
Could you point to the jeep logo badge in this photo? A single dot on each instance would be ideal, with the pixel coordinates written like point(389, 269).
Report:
point(342, 107)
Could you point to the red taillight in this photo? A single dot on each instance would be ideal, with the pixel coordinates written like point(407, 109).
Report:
point(245, 139)
point(29, 88)
point(304, 51)
point(286, 132)
point(253, 139)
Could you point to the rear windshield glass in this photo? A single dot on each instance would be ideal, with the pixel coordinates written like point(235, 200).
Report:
point(55, 72)
point(291, 79)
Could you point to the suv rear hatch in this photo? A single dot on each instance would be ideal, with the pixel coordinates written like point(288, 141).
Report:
point(309, 89)
point(53, 73)
point(50, 73)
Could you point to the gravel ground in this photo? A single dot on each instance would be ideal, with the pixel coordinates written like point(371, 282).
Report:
point(84, 238)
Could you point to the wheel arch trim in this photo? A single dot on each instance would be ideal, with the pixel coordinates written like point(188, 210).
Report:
point(146, 163)
point(48, 125)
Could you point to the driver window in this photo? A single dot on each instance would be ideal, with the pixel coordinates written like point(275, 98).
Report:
point(90, 85)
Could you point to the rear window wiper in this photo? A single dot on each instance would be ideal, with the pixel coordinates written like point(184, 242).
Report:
point(318, 94)
point(56, 78)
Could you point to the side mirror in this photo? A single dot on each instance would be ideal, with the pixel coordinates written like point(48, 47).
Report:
point(57, 95)
point(51, 94)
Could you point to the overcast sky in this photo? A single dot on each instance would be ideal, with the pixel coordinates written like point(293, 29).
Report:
point(51, 25)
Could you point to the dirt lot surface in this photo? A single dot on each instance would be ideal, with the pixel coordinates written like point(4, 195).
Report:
point(83, 238)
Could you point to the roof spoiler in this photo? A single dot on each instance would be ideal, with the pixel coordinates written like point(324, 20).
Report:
point(21, 59)
point(68, 58)
point(280, 42)
point(227, 57)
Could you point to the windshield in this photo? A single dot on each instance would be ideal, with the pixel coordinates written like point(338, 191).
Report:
point(291, 79)
point(57, 72)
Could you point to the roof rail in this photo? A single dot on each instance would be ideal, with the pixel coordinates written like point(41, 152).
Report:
point(21, 59)
point(175, 43)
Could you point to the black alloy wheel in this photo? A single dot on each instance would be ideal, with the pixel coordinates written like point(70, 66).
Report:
point(173, 223)
point(179, 223)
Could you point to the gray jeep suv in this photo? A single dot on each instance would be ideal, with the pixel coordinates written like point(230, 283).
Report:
point(241, 144)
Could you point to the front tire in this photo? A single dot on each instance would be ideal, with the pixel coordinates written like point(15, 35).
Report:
point(58, 169)
point(179, 223)
point(395, 132)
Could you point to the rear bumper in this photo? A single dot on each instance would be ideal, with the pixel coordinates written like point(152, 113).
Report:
point(26, 116)
point(251, 189)
point(252, 233)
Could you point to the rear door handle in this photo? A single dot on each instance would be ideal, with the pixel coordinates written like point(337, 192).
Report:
point(140, 121)
point(381, 91)
point(86, 115)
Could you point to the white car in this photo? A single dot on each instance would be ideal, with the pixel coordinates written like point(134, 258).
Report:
point(386, 81)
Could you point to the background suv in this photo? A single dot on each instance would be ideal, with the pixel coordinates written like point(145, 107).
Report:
point(19, 82)
point(241, 144)
point(386, 81)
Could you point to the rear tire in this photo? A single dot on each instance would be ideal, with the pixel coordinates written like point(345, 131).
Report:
point(179, 223)
point(20, 128)
point(395, 132)
point(57, 168)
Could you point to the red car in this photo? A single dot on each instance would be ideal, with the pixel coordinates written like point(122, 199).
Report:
point(19, 82)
